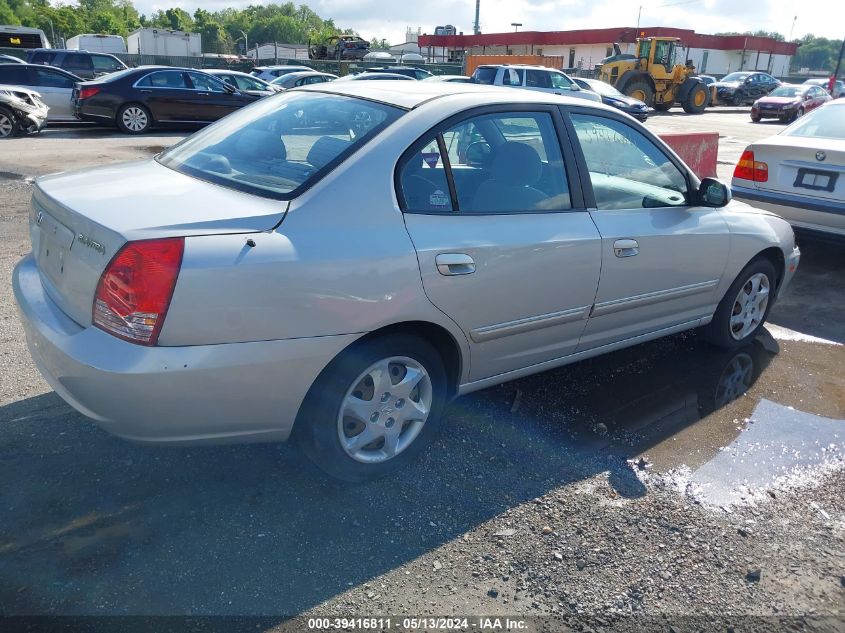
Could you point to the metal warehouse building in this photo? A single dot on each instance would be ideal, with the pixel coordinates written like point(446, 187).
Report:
point(711, 54)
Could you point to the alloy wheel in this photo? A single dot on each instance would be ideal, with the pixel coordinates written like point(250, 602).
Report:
point(749, 307)
point(6, 125)
point(385, 409)
point(135, 119)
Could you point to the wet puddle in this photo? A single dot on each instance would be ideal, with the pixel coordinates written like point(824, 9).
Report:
point(725, 426)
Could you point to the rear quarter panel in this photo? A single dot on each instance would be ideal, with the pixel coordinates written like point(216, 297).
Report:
point(341, 262)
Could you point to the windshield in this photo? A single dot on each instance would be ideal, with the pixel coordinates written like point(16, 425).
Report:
point(736, 77)
point(787, 91)
point(603, 89)
point(484, 76)
point(280, 145)
point(826, 122)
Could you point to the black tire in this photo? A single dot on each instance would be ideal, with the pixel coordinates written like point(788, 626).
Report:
point(128, 128)
point(738, 99)
point(755, 119)
point(798, 114)
point(662, 107)
point(696, 99)
point(718, 331)
point(8, 121)
point(318, 424)
point(640, 85)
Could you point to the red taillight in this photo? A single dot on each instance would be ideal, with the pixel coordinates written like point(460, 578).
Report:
point(88, 92)
point(135, 289)
point(749, 169)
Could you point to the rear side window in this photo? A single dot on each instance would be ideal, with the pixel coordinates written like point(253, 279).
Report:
point(42, 57)
point(512, 76)
point(497, 163)
point(627, 170)
point(537, 79)
point(76, 62)
point(51, 78)
point(105, 64)
point(164, 79)
point(14, 74)
point(484, 76)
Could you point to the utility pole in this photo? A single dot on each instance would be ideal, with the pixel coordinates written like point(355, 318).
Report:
point(516, 26)
point(792, 28)
point(476, 27)
point(832, 83)
point(246, 43)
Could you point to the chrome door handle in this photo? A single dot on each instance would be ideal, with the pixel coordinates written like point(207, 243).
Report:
point(454, 264)
point(626, 248)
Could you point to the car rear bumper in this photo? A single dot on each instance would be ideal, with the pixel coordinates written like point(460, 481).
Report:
point(802, 212)
point(236, 392)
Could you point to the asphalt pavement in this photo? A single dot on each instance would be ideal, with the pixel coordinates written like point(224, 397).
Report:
point(664, 481)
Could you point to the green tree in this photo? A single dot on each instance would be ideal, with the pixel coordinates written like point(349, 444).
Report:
point(7, 15)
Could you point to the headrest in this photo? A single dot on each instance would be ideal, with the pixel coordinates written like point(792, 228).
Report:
point(517, 164)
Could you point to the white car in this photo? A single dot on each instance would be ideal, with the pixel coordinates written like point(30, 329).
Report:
point(269, 73)
point(838, 86)
point(53, 84)
point(537, 78)
point(342, 281)
point(800, 173)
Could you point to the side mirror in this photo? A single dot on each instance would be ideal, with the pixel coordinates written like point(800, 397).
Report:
point(574, 87)
point(231, 89)
point(714, 193)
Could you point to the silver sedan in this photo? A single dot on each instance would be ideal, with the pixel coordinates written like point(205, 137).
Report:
point(340, 282)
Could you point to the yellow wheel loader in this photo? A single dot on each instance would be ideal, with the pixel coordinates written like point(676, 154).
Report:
point(653, 76)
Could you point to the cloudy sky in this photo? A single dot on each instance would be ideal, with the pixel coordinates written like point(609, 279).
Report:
point(383, 18)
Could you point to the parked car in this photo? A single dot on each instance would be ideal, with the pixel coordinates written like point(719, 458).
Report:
point(21, 111)
point(11, 59)
point(341, 47)
point(376, 77)
point(80, 63)
point(294, 80)
point(537, 78)
point(460, 79)
point(53, 84)
point(612, 97)
point(800, 173)
point(788, 102)
point(742, 88)
point(409, 71)
point(838, 86)
point(269, 73)
point(140, 98)
point(239, 299)
point(246, 84)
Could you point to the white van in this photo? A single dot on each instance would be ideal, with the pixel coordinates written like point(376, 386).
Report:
point(22, 37)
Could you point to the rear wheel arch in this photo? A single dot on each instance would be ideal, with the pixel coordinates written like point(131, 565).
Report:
point(437, 336)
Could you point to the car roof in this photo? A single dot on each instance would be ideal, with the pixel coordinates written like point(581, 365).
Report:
point(411, 94)
point(521, 66)
point(306, 73)
point(280, 66)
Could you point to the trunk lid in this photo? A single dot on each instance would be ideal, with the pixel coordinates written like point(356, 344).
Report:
point(79, 221)
point(795, 168)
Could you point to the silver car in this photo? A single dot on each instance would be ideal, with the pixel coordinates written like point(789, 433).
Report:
point(800, 173)
point(340, 283)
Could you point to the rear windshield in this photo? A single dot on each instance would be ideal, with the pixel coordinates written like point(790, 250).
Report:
point(826, 122)
point(484, 76)
point(280, 145)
